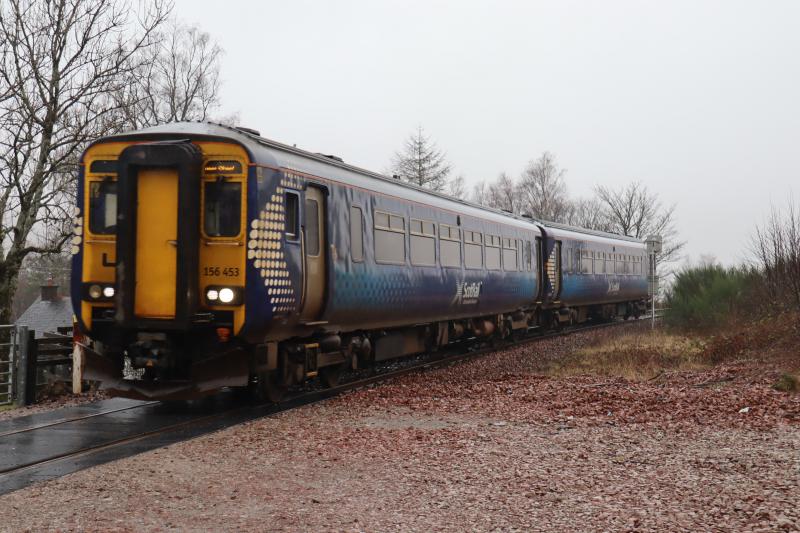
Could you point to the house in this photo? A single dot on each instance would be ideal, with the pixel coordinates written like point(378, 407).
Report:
point(48, 313)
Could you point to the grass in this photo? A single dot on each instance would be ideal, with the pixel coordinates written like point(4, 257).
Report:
point(787, 383)
point(6, 408)
point(636, 356)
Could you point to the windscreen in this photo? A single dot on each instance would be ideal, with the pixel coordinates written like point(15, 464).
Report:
point(223, 208)
point(103, 207)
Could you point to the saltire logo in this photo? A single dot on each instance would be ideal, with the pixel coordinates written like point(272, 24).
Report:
point(467, 293)
point(613, 287)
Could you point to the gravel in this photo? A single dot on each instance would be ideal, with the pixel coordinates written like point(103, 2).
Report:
point(490, 445)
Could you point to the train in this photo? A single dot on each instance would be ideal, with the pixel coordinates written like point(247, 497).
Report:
point(205, 257)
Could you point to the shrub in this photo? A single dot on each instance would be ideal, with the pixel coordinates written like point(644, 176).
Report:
point(708, 296)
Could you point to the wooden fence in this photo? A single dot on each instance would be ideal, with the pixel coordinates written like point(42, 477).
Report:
point(34, 355)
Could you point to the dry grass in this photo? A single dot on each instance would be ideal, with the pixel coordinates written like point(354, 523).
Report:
point(636, 356)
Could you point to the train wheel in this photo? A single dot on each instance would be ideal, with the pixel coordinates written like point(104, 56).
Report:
point(330, 375)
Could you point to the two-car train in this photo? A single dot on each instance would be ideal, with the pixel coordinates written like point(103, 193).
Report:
point(206, 256)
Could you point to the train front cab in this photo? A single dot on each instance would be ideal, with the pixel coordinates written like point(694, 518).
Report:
point(159, 265)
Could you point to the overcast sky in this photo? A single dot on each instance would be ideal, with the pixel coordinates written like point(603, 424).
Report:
point(698, 100)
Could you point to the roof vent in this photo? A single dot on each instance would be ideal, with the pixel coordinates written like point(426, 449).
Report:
point(251, 131)
point(334, 157)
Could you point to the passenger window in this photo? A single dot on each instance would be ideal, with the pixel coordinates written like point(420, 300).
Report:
point(423, 243)
point(449, 246)
point(397, 223)
point(390, 238)
point(528, 261)
point(356, 234)
point(292, 215)
point(381, 219)
point(599, 264)
point(510, 255)
point(103, 207)
point(473, 250)
point(222, 213)
point(312, 228)
point(492, 252)
point(586, 262)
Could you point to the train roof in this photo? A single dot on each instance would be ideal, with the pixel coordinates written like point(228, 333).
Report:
point(574, 232)
point(279, 155)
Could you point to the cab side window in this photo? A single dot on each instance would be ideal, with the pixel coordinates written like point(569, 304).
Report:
point(292, 215)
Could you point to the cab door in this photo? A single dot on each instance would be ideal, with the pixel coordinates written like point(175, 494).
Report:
point(156, 243)
point(313, 246)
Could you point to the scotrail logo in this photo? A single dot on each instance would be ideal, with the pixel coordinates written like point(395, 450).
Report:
point(467, 293)
point(613, 287)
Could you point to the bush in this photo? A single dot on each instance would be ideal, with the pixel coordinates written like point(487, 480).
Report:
point(709, 296)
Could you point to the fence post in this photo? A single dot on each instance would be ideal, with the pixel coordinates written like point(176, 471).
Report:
point(28, 355)
point(22, 364)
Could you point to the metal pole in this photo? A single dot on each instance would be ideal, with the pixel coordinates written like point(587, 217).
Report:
point(653, 297)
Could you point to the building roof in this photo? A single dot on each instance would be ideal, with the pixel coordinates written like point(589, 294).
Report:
point(47, 316)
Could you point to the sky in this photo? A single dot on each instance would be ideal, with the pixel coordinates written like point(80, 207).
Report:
point(698, 100)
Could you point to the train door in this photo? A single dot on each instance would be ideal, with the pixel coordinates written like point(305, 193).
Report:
point(551, 266)
point(540, 269)
point(156, 242)
point(554, 264)
point(314, 271)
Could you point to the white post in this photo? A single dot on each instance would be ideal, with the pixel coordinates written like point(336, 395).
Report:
point(77, 368)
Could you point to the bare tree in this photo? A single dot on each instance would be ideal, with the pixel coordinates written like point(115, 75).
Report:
point(457, 187)
point(636, 212)
point(542, 190)
point(177, 79)
point(504, 194)
point(587, 213)
point(60, 62)
point(776, 247)
point(422, 163)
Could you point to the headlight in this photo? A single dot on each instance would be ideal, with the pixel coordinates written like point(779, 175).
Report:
point(226, 295)
point(222, 295)
point(95, 291)
point(98, 292)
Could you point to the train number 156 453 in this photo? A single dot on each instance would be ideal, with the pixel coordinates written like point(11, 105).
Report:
point(228, 272)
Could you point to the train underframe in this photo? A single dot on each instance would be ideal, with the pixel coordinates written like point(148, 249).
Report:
point(160, 365)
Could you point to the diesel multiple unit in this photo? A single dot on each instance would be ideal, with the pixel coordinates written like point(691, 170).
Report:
point(206, 256)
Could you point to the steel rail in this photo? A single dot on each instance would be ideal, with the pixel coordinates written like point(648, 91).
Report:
point(67, 420)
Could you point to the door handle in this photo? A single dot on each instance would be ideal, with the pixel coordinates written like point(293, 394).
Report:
point(173, 243)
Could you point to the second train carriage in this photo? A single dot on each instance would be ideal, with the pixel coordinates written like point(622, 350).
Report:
point(206, 256)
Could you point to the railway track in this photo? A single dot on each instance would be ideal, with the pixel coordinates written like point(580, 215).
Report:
point(51, 445)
